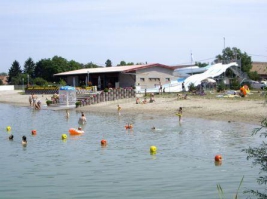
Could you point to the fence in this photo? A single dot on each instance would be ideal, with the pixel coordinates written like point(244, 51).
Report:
point(111, 95)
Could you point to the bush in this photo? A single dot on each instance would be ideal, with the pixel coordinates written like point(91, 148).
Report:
point(40, 81)
point(48, 102)
point(78, 103)
point(221, 87)
point(191, 87)
point(106, 90)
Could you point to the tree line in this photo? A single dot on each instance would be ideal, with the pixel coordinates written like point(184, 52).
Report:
point(42, 71)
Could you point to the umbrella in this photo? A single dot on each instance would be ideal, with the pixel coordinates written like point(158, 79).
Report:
point(99, 82)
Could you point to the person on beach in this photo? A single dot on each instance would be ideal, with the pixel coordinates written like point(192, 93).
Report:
point(24, 140)
point(34, 98)
point(179, 113)
point(137, 101)
point(82, 119)
point(152, 98)
point(38, 104)
point(160, 87)
point(144, 101)
point(183, 88)
point(30, 100)
point(119, 109)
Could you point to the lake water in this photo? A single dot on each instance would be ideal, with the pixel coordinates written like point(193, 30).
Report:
point(183, 166)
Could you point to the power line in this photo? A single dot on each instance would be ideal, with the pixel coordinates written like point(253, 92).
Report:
point(257, 55)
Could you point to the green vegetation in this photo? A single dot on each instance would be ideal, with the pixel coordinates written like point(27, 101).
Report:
point(221, 87)
point(259, 157)
point(78, 103)
point(229, 54)
point(48, 102)
point(220, 190)
point(108, 63)
point(44, 69)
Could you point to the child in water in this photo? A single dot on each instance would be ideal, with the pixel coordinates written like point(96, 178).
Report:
point(119, 109)
point(179, 113)
point(24, 140)
point(67, 114)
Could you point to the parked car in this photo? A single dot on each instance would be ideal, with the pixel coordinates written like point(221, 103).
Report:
point(255, 84)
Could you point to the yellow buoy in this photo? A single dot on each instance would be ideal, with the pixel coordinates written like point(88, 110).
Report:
point(64, 136)
point(153, 149)
point(8, 128)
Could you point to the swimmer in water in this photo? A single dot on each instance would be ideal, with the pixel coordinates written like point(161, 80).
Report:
point(24, 140)
point(11, 137)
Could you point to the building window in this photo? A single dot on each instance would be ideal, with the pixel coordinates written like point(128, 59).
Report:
point(142, 79)
point(167, 79)
point(154, 79)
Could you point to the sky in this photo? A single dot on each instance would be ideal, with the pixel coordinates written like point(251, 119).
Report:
point(147, 31)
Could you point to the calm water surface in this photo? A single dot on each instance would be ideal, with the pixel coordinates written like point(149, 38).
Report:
point(80, 168)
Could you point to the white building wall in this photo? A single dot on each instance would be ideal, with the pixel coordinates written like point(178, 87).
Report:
point(7, 88)
point(151, 77)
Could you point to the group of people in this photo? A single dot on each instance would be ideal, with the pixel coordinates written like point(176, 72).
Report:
point(34, 101)
point(151, 99)
point(23, 141)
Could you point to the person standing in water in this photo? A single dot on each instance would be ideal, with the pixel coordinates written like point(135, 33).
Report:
point(67, 114)
point(119, 109)
point(82, 119)
point(179, 113)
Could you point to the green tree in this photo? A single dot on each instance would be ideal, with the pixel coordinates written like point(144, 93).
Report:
point(199, 64)
point(230, 54)
point(14, 71)
point(90, 65)
point(254, 75)
point(3, 74)
point(73, 65)
point(45, 69)
point(108, 63)
point(40, 81)
point(29, 67)
point(259, 157)
point(122, 63)
point(59, 64)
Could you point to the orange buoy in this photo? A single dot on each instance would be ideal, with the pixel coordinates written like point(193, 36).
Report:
point(218, 158)
point(103, 142)
point(34, 132)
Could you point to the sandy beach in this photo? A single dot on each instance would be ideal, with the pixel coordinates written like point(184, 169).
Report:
point(225, 109)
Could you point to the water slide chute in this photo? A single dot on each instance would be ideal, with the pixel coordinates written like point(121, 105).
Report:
point(210, 71)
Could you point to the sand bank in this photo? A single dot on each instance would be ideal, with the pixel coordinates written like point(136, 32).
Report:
point(234, 110)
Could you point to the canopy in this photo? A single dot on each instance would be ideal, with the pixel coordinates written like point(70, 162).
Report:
point(67, 88)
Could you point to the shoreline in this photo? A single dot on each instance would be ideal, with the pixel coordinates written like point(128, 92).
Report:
point(222, 109)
